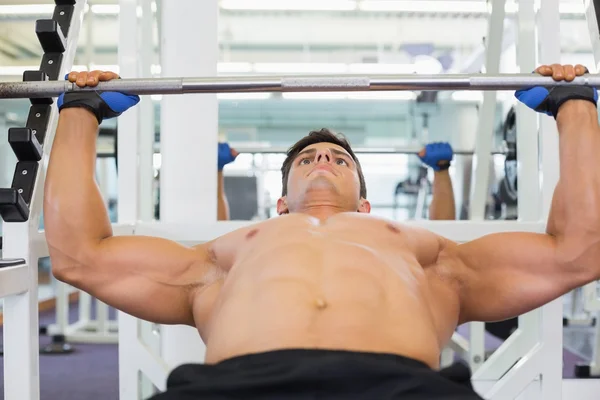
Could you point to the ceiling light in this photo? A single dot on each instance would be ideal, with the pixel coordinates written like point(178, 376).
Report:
point(27, 9)
point(424, 6)
point(234, 67)
point(289, 5)
point(381, 69)
point(106, 9)
point(467, 96)
point(299, 68)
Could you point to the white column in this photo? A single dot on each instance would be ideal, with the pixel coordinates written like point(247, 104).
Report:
point(188, 139)
point(594, 29)
point(128, 193)
point(487, 114)
point(148, 333)
point(21, 323)
point(528, 159)
point(147, 117)
point(527, 121)
point(551, 329)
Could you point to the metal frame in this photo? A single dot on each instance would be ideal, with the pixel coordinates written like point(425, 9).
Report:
point(21, 331)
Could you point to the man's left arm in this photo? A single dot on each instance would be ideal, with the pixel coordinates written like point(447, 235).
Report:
point(438, 156)
point(504, 275)
point(226, 155)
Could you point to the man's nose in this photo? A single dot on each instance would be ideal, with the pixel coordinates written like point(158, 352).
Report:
point(324, 156)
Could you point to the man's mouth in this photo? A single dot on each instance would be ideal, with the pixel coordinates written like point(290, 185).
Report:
point(323, 167)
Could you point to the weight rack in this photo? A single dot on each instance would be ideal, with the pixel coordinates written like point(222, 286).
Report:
point(27, 142)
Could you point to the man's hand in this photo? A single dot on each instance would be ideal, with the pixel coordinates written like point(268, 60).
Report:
point(226, 155)
point(437, 156)
point(548, 100)
point(103, 105)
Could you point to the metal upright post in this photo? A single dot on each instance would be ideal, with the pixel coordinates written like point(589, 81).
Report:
point(551, 327)
point(482, 157)
point(21, 205)
point(128, 192)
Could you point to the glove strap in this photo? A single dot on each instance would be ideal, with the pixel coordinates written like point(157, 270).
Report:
point(443, 165)
point(92, 102)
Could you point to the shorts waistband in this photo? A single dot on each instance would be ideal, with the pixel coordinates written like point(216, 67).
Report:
point(285, 356)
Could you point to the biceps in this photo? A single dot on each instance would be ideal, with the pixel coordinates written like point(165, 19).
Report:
point(506, 275)
point(150, 278)
point(138, 295)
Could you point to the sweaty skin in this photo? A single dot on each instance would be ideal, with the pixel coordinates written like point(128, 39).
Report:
point(324, 274)
point(327, 284)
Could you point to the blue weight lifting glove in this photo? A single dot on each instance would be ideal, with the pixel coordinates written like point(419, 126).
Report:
point(103, 105)
point(548, 100)
point(225, 156)
point(437, 155)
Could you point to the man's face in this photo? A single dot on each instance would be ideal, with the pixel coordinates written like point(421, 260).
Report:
point(323, 174)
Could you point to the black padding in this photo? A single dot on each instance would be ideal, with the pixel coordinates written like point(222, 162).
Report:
point(13, 207)
point(37, 120)
point(25, 144)
point(11, 262)
point(50, 64)
point(50, 35)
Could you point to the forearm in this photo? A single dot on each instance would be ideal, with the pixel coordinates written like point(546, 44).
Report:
point(222, 203)
point(575, 215)
point(75, 216)
point(442, 205)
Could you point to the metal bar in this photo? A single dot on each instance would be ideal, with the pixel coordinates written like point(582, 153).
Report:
point(366, 150)
point(323, 83)
point(13, 279)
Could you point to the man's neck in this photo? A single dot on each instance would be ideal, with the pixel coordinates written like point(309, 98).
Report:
point(322, 212)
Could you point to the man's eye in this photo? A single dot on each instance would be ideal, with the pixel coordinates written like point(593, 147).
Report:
point(304, 161)
point(341, 161)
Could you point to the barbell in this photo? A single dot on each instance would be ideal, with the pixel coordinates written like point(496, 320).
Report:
point(367, 150)
point(317, 83)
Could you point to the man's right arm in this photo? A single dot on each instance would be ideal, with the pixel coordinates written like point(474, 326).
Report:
point(150, 278)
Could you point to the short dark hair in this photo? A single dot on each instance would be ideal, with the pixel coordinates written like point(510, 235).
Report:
point(323, 136)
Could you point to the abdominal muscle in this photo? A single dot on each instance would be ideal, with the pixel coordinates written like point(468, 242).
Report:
point(315, 290)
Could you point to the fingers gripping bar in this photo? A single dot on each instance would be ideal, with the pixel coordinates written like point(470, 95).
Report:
point(166, 86)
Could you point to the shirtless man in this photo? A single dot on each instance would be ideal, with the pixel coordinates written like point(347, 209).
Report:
point(324, 301)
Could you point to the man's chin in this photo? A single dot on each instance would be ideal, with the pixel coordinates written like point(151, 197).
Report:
point(321, 182)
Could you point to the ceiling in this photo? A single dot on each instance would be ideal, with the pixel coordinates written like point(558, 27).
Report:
point(322, 32)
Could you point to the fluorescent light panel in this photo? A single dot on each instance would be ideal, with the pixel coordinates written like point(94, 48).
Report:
point(420, 6)
point(105, 9)
point(27, 9)
point(289, 5)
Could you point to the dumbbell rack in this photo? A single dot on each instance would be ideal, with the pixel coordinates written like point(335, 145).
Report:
point(27, 142)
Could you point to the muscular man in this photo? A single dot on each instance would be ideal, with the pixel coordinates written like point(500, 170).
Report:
point(324, 301)
point(438, 156)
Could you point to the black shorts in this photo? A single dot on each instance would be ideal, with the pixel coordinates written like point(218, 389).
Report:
point(318, 374)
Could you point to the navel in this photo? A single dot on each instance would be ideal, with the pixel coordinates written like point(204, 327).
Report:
point(321, 304)
point(251, 234)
